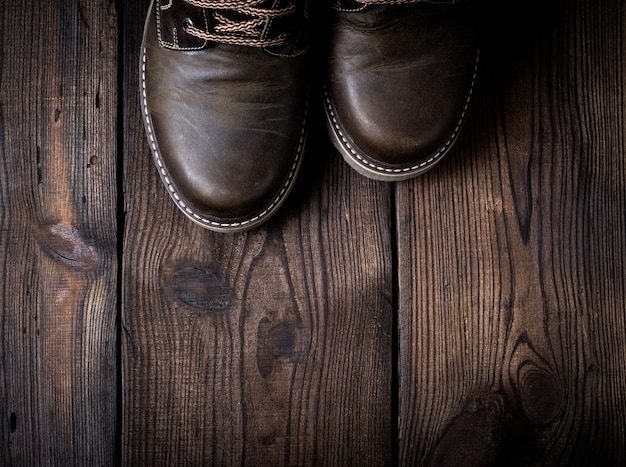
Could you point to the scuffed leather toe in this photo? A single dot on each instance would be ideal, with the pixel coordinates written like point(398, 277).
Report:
point(400, 79)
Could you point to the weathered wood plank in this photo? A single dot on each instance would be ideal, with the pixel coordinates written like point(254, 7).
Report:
point(266, 348)
point(512, 257)
point(58, 246)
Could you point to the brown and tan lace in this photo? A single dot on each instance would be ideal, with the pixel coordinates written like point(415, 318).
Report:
point(239, 32)
point(388, 2)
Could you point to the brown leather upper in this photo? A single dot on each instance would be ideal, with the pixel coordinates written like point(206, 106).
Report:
point(227, 121)
point(399, 78)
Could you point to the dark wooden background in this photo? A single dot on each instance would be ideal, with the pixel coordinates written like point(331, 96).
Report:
point(473, 316)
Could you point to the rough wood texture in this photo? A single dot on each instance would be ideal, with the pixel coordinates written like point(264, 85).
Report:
point(267, 348)
point(482, 322)
point(512, 303)
point(58, 228)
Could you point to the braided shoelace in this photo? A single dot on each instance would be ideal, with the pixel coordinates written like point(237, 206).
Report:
point(385, 2)
point(246, 31)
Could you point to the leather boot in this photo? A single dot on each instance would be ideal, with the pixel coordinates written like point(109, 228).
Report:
point(224, 98)
point(401, 74)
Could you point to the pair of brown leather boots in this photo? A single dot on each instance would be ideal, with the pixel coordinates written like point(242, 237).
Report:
point(224, 92)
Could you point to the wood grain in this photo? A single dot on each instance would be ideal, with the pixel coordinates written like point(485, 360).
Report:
point(513, 332)
point(272, 347)
point(58, 253)
point(505, 266)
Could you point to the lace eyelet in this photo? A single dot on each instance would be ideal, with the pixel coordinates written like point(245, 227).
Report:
point(187, 23)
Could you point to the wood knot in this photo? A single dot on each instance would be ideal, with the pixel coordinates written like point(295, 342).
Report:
point(541, 394)
point(66, 244)
point(284, 341)
point(472, 437)
point(197, 286)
